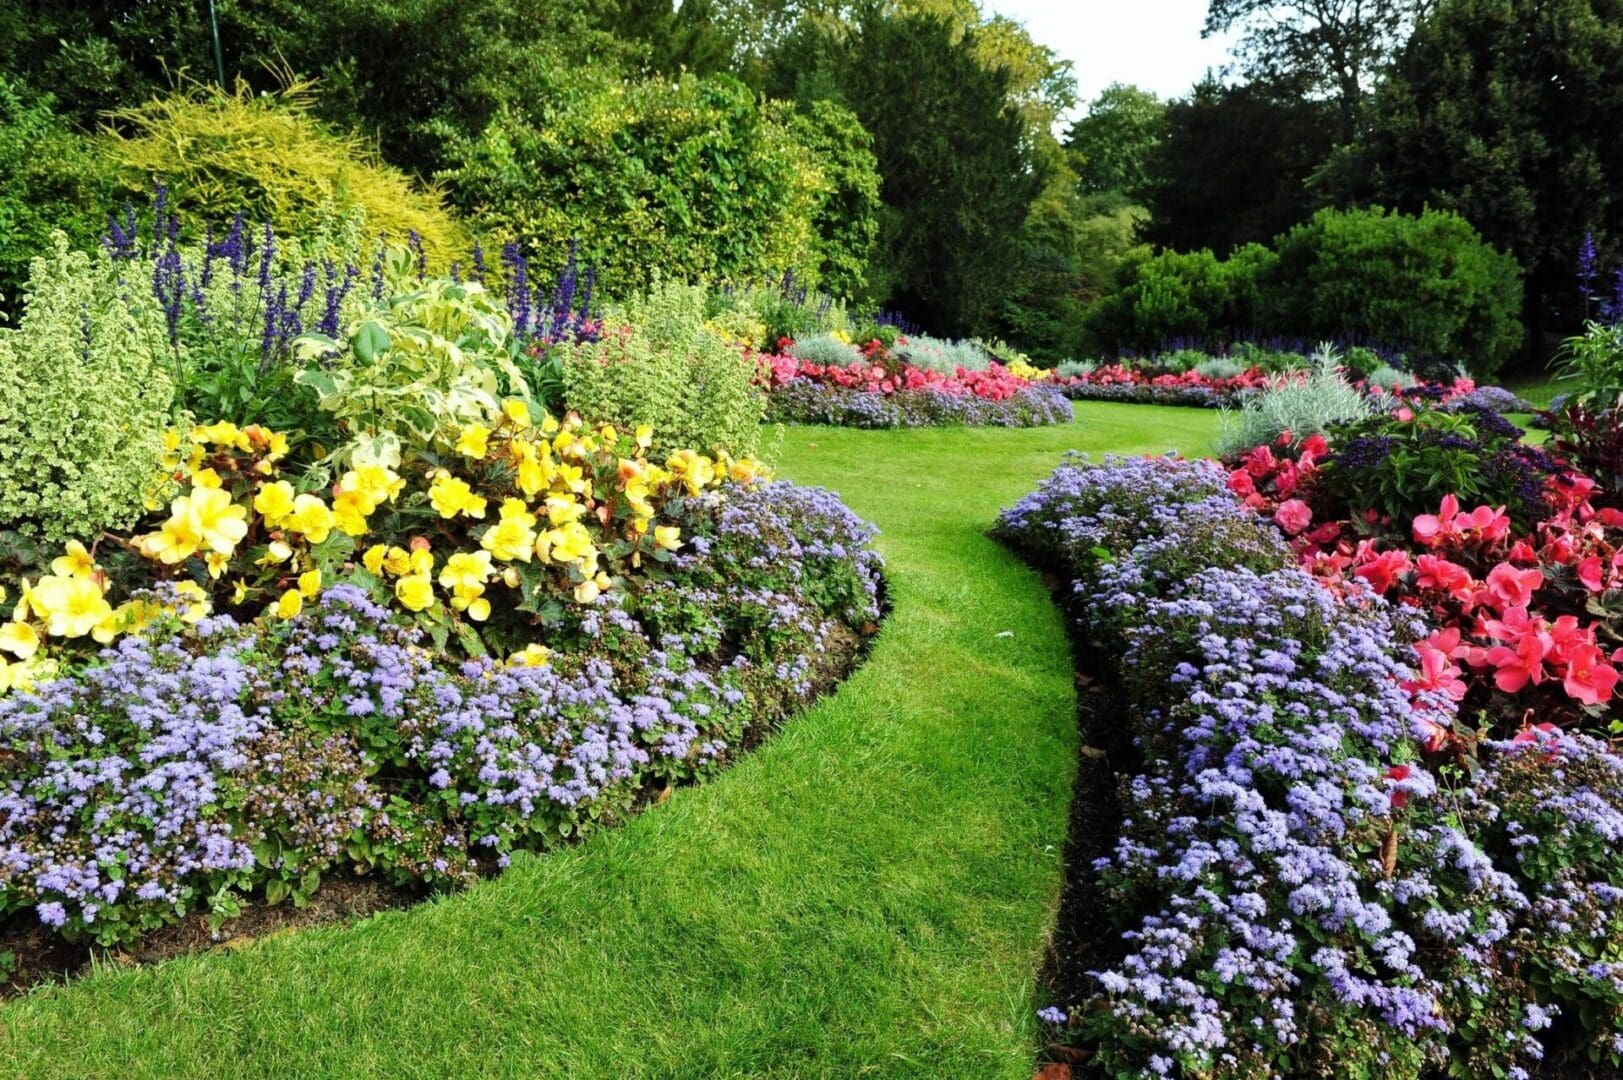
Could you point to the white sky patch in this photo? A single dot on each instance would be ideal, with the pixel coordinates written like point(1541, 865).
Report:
point(1155, 44)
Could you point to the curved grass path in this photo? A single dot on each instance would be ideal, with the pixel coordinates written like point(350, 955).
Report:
point(865, 895)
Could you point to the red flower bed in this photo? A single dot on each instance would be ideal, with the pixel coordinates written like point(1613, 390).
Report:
point(879, 373)
point(1525, 623)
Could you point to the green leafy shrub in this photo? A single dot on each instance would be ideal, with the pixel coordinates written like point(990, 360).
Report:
point(943, 357)
point(1191, 295)
point(432, 359)
point(50, 179)
point(84, 397)
point(1426, 283)
point(658, 363)
point(269, 157)
point(694, 180)
point(783, 308)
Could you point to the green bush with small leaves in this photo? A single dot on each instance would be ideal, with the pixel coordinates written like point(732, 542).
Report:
point(658, 363)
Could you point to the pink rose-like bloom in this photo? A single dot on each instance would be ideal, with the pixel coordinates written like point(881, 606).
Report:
point(1293, 516)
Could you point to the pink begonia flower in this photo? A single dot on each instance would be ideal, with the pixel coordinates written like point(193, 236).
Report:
point(1509, 587)
point(1382, 571)
point(1518, 666)
point(1398, 773)
point(1293, 516)
point(1589, 678)
point(1592, 573)
point(1438, 673)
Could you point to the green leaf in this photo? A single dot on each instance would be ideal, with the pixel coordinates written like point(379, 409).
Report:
point(369, 340)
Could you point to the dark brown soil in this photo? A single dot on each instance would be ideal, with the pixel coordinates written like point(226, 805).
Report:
point(31, 954)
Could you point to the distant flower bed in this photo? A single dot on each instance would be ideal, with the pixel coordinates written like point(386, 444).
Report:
point(1119, 382)
point(879, 390)
point(1307, 880)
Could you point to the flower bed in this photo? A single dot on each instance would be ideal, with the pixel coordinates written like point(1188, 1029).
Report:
point(1301, 886)
point(430, 625)
point(883, 392)
point(1121, 382)
point(361, 723)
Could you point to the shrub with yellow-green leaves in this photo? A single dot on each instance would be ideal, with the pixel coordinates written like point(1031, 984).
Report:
point(268, 156)
point(85, 392)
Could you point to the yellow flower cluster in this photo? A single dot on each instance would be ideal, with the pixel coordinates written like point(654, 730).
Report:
point(71, 602)
point(1021, 368)
point(554, 495)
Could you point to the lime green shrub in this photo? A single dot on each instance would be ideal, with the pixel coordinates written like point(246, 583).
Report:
point(84, 398)
point(693, 179)
point(268, 156)
point(659, 363)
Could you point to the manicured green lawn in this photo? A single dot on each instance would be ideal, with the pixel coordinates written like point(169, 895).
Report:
point(865, 895)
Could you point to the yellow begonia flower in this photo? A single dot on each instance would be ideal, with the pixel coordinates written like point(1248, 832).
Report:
point(373, 558)
point(645, 436)
point(451, 496)
point(274, 502)
point(291, 603)
point(206, 478)
point(533, 476)
point(515, 510)
point(571, 543)
point(478, 609)
point(70, 606)
point(517, 412)
point(415, 591)
point(376, 484)
point(221, 522)
point(19, 639)
point(587, 592)
point(276, 552)
point(239, 592)
point(668, 537)
point(310, 583)
point(76, 563)
point(473, 442)
point(397, 561)
point(311, 518)
point(466, 570)
point(532, 655)
point(422, 561)
point(178, 538)
point(224, 433)
point(216, 564)
point(562, 510)
point(509, 540)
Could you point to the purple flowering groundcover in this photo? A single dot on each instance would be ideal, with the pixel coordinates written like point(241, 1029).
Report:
point(188, 775)
point(1291, 891)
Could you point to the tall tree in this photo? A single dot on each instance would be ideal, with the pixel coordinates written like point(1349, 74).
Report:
point(1112, 144)
point(957, 168)
point(1508, 111)
point(1329, 46)
point(1234, 165)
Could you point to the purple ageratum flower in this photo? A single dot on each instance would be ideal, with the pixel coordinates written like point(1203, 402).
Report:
point(1052, 1015)
point(1267, 711)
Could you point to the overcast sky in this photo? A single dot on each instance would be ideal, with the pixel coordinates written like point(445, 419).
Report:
point(1153, 43)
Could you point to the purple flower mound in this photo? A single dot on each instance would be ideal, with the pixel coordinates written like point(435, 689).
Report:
point(192, 766)
point(1197, 397)
point(1298, 895)
point(1491, 399)
point(806, 401)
